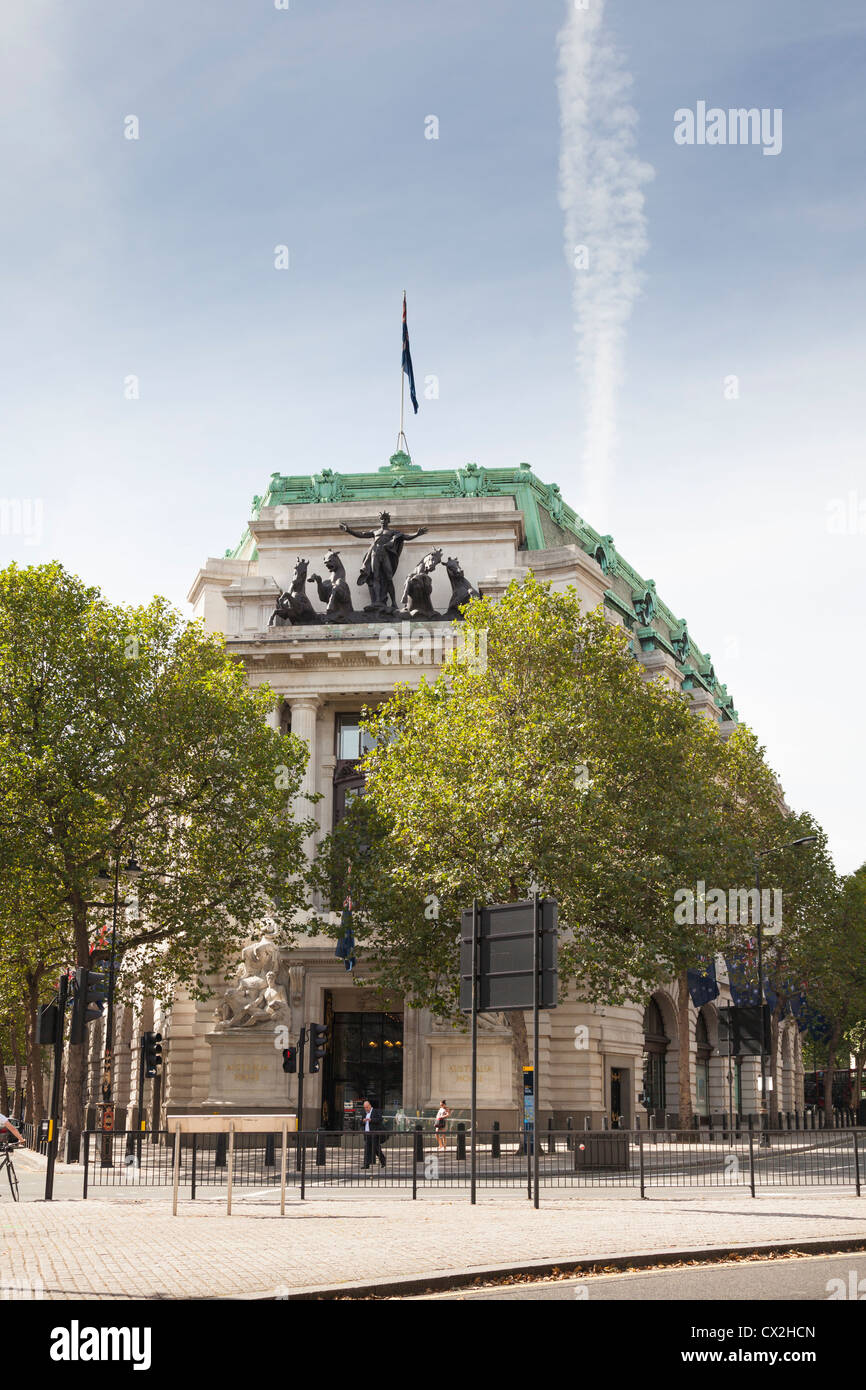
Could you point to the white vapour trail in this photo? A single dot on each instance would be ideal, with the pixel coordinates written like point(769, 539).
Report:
point(600, 191)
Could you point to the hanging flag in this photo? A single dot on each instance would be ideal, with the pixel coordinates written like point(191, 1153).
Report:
point(703, 985)
point(407, 360)
point(809, 1020)
point(742, 979)
point(345, 950)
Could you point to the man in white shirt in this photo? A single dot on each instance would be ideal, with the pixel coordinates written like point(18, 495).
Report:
point(373, 1126)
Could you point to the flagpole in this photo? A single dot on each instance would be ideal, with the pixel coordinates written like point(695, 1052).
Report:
point(401, 435)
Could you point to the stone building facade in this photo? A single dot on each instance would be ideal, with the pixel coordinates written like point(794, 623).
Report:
point(499, 524)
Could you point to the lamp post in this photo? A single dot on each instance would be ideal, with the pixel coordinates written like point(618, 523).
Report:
point(131, 871)
point(759, 855)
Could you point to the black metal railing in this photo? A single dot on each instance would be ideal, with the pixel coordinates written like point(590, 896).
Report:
point(738, 1157)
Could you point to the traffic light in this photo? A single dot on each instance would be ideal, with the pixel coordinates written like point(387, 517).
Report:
point(290, 1059)
point(152, 1046)
point(318, 1044)
point(88, 998)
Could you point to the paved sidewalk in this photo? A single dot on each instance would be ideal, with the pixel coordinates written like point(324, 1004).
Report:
point(134, 1248)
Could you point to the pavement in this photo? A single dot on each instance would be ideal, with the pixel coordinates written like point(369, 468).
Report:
point(123, 1243)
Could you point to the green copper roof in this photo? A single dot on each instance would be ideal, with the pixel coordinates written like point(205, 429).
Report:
point(548, 522)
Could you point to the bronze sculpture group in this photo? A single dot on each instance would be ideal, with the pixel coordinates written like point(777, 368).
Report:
point(377, 573)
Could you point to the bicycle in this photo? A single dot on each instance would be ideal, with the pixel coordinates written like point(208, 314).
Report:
point(6, 1151)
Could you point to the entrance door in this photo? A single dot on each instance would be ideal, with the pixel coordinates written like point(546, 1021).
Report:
point(365, 1059)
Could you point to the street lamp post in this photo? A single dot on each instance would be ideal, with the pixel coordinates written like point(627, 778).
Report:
point(759, 855)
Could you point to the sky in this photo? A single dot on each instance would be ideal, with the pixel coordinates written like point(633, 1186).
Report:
point(696, 390)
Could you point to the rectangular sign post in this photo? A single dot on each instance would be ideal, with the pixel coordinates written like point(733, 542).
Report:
point(508, 960)
point(507, 966)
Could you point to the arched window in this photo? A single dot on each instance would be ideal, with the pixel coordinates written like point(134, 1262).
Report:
point(655, 1046)
point(702, 1065)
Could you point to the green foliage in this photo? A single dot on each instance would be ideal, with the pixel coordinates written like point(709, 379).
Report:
point(477, 788)
point(128, 730)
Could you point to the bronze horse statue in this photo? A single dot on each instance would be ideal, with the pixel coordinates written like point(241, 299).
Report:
point(334, 592)
point(293, 606)
point(461, 590)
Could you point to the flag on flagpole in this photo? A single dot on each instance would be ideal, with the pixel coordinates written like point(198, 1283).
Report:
point(346, 945)
point(703, 985)
point(407, 359)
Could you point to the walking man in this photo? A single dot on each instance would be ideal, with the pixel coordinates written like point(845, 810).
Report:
point(373, 1125)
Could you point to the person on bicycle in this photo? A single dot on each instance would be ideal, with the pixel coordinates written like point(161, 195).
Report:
point(7, 1127)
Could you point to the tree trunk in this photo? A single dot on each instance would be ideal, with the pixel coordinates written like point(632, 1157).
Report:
point(76, 1057)
point(519, 1058)
point(16, 1058)
point(686, 1108)
point(34, 1051)
point(774, 1069)
point(828, 1078)
point(4, 1085)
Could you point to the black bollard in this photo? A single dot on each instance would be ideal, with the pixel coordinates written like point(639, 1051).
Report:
point(551, 1141)
point(496, 1142)
point(569, 1126)
point(220, 1155)
point(270, 1160)
point(418, 1143)
point(321, 1156)
point(461, 1140)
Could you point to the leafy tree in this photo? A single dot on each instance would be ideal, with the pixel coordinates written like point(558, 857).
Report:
point(833, 962)
point(559, 764)
point(33, 948)
point(127, 730)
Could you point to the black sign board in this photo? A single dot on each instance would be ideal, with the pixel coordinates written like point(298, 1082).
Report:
point(740, 1028)
point(506, 954)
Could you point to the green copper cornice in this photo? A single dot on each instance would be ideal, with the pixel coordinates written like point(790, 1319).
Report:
point(549, 523)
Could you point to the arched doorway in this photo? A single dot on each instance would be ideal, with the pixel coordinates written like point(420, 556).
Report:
point(655, 1046)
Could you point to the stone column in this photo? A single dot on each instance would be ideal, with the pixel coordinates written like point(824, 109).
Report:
point(304, 714)
point(275, 718)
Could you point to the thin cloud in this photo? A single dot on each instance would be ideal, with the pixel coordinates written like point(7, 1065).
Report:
point(601, 184)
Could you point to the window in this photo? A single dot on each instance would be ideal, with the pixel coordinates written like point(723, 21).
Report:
point(702, 1066)
point(352, 741)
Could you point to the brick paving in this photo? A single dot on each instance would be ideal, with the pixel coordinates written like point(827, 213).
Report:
point(126, 1245)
